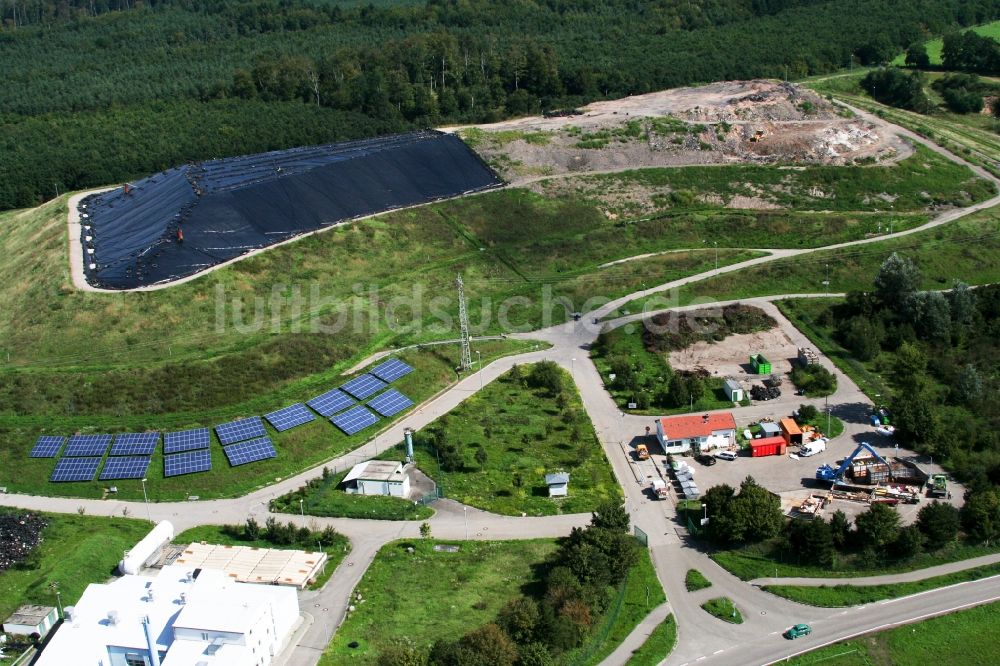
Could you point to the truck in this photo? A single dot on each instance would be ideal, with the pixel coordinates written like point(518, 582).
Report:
point(641, 452)
point(937, 485)
point(659, 489)
point(812, 448)
point(835, 476)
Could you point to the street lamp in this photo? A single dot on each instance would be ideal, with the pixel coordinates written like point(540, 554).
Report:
point(479, 362)
point(572, 368)
point(145, 498)
point(465, 510)
point(302, 511)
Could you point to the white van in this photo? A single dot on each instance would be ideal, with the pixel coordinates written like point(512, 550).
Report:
point(812, 448)
point(726, 455)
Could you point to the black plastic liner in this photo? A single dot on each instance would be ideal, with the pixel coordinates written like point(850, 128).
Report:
point(188, 219)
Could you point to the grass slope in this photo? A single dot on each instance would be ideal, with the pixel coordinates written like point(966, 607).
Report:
point(724, 609)
point(853, 595)
point(431, 595)
point(658, 646)
point(324, 498)
point(525, 435)
point(76, 551)
point(934, 46)
point(967, 638)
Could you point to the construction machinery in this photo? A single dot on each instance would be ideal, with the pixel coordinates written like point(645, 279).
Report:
point(642, 452)
point(835, 476)
point(937, 486)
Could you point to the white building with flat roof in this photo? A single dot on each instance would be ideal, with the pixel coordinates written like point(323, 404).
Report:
point(180, 617)
point(378, 477)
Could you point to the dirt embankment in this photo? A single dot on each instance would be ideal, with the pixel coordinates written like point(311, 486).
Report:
point(728, 122)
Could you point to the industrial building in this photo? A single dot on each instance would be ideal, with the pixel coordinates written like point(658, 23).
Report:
point(180, 617)
point(378, 477)
point(733, 389)
point(246, 564)
point(679, 434)
point(31, 619)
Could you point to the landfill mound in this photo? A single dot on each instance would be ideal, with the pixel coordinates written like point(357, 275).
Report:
point(729, 122)
point(185, 220)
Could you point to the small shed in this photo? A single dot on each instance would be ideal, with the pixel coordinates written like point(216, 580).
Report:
point(378, 477)
point(767, 446)
point(760, 365)
point(31, 619)
point(770, 430)
point(733, 390)
point(791, 432)
point(558, 484)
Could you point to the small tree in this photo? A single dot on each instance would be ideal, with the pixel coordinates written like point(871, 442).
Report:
point(981, 516)
point(877, 527)
point(425, 530)
point(610, 515)
point(252, 529)
point(939, 522)
point(481, 457)
point(916, 56)
point(896, 280)
point(840, 529)
point(909, 542)
point(808, 412)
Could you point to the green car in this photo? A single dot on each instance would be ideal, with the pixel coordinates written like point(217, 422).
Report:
point(798, 630)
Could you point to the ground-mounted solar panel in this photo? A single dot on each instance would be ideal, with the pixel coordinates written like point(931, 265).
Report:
point(257, 449)
point(240, 430)
point(135, 444)
point(289, 417)
point(330, 403)
point(125, 467)
point(75, 469)
point(391, 370)
point(363, 386)
point(47, 446)
point(389, 403)
point(354, 420)
point(185, 440)
point(87, 445)
point(187, 463)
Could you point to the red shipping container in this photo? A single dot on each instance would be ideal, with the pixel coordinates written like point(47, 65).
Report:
point(767, 446)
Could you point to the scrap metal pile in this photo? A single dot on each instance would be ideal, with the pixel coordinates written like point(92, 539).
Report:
point(19, 536)
point(758, 392)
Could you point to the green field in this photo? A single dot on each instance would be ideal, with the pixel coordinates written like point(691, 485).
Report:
point(934, 46)
point(298, 449)
point(834, 596)
point(430, 595)
point(965, 638)
point(659, 644)
point(76, 550)
point(724, 609)
point(321, 497)
point(525, 435)
point(336, 546)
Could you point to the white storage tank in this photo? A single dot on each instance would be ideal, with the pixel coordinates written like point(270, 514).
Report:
point(147, 548)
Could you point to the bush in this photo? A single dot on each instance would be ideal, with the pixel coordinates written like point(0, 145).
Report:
point(815, 380)
point(808, 412)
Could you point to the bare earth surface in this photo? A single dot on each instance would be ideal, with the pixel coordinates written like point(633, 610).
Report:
point(720, 123)
point(731, 357)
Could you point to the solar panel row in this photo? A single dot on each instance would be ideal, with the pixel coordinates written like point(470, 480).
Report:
point(252, 451)
point(354, 420)
point(185, 440)
point(289, 417)
point(87, 445)
point(240, 430)
point(187, 463)
point(330, 403)
point(391, 370)
point(47, 446)
point(363, 386)
point(75, 469)
point(389, 403)
point(135, 443)
point(125, 467)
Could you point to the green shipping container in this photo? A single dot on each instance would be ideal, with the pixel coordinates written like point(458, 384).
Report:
point(760, 365)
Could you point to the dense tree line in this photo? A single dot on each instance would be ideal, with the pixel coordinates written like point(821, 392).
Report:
point(88, 76)
point(576, 587)
point(971, 52)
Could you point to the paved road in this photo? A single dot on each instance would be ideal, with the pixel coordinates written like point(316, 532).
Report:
point(700, 637)
point(888, 579)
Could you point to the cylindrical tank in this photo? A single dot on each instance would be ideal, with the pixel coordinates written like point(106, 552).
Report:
point(408, 434)
point(149, 546)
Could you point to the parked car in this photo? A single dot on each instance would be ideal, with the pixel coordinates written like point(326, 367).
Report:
point(798, 630)
point(726, 455)
point(706, 460)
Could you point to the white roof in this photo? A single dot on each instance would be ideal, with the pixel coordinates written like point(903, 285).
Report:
point(255, 565)
point(376, 470)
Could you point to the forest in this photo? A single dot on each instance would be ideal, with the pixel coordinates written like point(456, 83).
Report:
point(101, 91)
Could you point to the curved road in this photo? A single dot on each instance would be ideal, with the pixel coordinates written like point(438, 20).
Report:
point(701, 638)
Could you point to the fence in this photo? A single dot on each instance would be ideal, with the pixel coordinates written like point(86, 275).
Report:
point(598, 640)
point(641, 536)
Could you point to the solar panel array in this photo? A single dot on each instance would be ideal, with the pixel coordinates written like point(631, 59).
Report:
point(187, 463)
point(289, 417)
point(363, 386)
point(391, 370)
point(75, 469)
point(125, 467)
point(87, 445)
point(354, 420)
point(240, 430)
point(135, 444)
point(185, 440)
point(330, 403)
point(389, 403)
point(46, 446)
point(252, 451)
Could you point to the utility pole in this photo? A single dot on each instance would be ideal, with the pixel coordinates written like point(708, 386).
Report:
point(463, 322)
